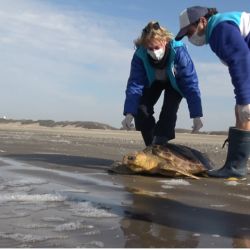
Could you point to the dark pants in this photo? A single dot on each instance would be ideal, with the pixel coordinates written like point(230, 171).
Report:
point(145, 121)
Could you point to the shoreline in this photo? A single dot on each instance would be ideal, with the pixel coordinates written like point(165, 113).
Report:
point(107, 133)
point(56, 180)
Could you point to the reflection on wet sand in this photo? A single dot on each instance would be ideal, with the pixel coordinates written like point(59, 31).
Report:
point(56, 192)
point(157, 221)
point(242, 242)
point(147, 235)
point(142, 229)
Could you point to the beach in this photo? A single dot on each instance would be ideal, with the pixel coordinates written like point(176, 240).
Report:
point(56, 191)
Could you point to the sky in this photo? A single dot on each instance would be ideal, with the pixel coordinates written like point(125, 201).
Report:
point(69, 60)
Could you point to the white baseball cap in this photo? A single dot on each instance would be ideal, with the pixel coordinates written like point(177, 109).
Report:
point(188, 17)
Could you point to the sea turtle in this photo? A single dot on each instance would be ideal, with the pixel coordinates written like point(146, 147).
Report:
point(171, 160)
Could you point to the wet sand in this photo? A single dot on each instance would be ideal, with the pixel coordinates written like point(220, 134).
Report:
point(56, 192)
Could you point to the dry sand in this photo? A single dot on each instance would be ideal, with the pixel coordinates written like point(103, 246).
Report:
point(56, 192)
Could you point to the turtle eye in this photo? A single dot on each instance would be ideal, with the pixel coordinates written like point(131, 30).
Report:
point(131, 158)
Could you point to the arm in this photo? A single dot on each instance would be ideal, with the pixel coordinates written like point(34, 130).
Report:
point(187, 81)
point(228, 44)
point(136, 82)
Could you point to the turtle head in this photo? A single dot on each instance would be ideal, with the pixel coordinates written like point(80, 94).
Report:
point(140, 161)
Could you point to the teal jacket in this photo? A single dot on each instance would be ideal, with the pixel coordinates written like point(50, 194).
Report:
point(180, 70)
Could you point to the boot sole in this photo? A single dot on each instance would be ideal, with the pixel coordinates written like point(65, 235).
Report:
point(235, 179)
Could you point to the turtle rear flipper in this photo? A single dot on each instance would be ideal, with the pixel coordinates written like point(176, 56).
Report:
point(172, 171)
point(187, 174)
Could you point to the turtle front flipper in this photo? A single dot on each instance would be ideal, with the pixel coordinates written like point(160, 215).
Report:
point(119, 168)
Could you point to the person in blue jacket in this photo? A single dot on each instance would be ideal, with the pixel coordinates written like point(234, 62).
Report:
point(228, 35)
point(160, 64)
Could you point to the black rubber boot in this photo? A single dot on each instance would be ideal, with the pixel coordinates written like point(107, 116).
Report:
point(237, 155)
point(160, 140)
point(147, 136)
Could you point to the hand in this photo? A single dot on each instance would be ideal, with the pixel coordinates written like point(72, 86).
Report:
point(127, 122)
point(197, 124)
point(243, 112)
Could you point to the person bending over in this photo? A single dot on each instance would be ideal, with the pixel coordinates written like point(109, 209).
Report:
point(160, 64)
point(228, 35)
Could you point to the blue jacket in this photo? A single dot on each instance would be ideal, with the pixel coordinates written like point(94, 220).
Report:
point(180, 70)
point(228, 35)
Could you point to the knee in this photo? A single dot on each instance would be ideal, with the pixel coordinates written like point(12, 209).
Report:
point(144, 119)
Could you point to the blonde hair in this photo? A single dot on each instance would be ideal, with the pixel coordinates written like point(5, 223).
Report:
point(153, 31)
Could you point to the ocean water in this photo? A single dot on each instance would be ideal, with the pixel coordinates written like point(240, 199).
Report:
point(37, 212)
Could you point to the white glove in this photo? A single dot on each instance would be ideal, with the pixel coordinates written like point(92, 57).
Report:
point(197, 124)
point(127, 122)
point(243, 112)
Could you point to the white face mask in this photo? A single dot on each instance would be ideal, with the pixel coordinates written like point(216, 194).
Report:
point(197, 40)
point(157, 54)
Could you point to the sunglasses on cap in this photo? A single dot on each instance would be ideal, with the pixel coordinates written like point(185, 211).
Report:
point(148, 28)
